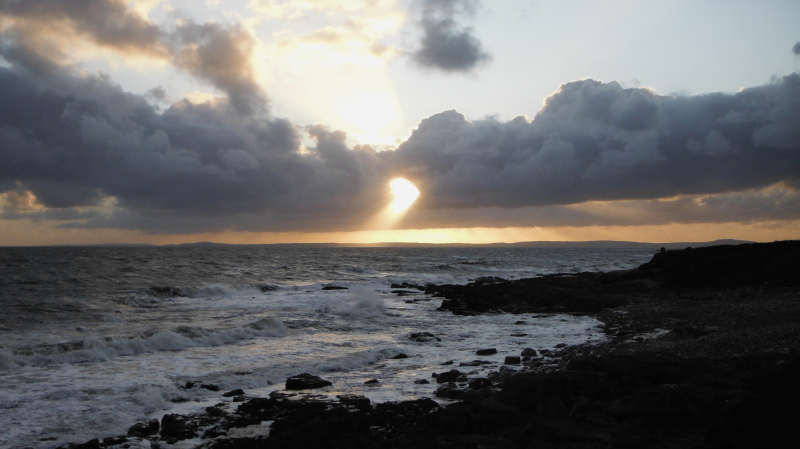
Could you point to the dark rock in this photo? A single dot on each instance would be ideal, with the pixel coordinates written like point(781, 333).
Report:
point(449, 376)
point(372, 382)
point(356, 401)
point(561, 345)
point(775, 264)
point(529, 352)
point(333, 287)
point(450, 391)
point(519, 334)
point(144, 429)
point(189, 385)
point(488, 351)
point(422, 337)
point(91, 444)
point(112, 441)
point(400, 356)
point(520, 322)
point(177, 427)
point(422, 381)
point(236, 392)
point(408, 286)
point(215, 411)
point(306, 381)
point(210, 387)
point(479, 383)
point(475, 363)
point(403, 293)
point(686, 333)
point(511, 360)
point(449, 362)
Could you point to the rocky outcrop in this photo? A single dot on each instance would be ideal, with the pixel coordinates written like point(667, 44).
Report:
point(306, 381)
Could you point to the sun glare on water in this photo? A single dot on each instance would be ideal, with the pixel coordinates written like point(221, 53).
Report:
point(404, 193)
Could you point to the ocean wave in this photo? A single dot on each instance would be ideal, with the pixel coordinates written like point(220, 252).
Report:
point(96, 349)
point(356, 360)
point(209, 291)
point(359, 300)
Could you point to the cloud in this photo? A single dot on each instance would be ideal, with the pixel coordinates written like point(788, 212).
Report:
point(796, 48)
point(221, 55)
point(40, 33)
point(445, 44)
point(80, 151)
point(595, 141)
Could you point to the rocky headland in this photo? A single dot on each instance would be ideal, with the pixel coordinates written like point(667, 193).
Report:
point(702, 352)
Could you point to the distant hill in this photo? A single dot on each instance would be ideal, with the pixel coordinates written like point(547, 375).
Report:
point(613, 244)
point(609, 244)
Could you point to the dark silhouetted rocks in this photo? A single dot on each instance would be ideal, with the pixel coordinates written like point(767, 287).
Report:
point(488, 351)
point(422, 337)
point(144, 429)
point(449, 376)
point(236, 392)
point(306, 381)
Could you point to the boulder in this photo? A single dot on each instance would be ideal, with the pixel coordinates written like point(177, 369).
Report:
point(488, 351)
point(449, 376)
point(306, 381)
point(422, 337)
point(529, 352)
point(512, 360)
point(177, 427)
point(236, 392)
point(450, 391)
point(479, 383)
point(144, 429)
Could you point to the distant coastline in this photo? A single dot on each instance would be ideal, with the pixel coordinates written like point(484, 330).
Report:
point(599, 244)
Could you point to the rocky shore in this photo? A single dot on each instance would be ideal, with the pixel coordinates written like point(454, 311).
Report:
point(702, 352)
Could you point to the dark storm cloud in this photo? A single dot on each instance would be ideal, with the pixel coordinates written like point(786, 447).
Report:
point(599, 141)
point(107, 22)
point(796, 49)
point(219, 54)
point(445, 44)
point(77, 149)
point(80, 140)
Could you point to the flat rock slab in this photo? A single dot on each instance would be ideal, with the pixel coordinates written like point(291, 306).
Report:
point(306, 381)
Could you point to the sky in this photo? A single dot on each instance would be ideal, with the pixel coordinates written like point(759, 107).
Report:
point(269, 121)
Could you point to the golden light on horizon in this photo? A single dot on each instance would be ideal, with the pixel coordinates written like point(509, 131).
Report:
point(405, 193)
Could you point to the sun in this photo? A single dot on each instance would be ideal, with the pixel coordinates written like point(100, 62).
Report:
point(404, 193)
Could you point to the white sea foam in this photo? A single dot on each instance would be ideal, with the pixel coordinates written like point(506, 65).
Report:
point(94, 349)
point(359, 300)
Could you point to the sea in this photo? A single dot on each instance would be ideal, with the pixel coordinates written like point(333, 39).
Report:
point(95, 339)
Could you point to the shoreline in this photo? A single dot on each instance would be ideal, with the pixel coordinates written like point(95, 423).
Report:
point(684, 365)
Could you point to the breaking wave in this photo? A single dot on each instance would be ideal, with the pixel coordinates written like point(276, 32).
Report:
point(96, 349)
